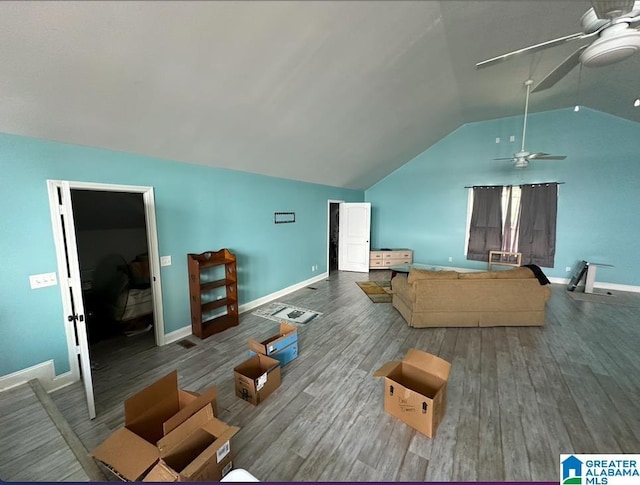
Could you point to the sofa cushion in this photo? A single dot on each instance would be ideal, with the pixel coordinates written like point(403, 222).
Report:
point(478, 275)
point(516, 273)
point(423, 274)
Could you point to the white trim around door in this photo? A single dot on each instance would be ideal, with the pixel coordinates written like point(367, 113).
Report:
point(76, 342)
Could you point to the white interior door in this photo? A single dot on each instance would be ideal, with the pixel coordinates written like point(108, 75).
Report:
point(353, 237)
point(71, 287)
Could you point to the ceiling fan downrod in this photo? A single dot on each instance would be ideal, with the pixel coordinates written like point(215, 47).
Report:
point(528, 84)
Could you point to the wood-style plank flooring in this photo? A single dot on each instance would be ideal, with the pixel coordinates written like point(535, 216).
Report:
point(31, 447)
point(517, 397)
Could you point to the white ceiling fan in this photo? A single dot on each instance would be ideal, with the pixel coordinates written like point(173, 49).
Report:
point(612, 22)
point(521, 159)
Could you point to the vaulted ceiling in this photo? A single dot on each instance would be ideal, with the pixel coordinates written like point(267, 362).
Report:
point(338, 93)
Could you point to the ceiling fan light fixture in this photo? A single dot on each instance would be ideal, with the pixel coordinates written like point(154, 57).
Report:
point(611, 48)
point(520, 163)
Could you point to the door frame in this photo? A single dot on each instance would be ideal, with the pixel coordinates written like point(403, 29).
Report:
point(152, 246)
point(329, 202)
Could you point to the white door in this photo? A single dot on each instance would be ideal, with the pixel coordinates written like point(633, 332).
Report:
point(71, 287)
point(353, 237)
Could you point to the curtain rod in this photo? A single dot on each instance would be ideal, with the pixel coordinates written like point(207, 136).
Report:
point(537, 183)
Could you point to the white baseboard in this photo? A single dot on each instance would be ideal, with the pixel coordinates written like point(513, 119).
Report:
point(177, 335)
point(601, 285)
point(44, 372)
point(285, 291)
point(186, 331)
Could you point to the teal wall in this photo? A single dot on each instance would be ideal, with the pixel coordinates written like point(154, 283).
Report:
point(197, 209)
point(423, 204)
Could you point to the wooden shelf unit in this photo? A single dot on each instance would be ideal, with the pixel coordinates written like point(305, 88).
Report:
point(203, 325)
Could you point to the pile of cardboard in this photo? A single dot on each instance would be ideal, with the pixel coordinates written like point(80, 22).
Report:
point(174, 435)
point(169, 435)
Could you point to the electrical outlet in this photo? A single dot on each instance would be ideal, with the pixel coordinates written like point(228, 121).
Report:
point(42, 280)
point(450, 259)
point(512, 138)
point(165, 260)
point(498, 139)
point(567, 269)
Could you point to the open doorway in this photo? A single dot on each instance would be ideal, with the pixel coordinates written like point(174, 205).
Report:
point(111, 236)
point(334, 233)
point(73, 285)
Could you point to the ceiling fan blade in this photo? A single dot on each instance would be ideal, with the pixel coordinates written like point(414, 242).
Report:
point(532, 48)
point(510, 158)
point(561, 71)
point(545, 156)
point(550, 157)
point(608, 9)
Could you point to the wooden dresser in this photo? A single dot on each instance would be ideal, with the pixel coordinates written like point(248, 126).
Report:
point(384, 258)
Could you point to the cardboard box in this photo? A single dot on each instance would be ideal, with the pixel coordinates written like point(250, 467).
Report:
point(256, 378)
point(415, 390)
point(283, 347)
point(197, 450)
point(131, 451)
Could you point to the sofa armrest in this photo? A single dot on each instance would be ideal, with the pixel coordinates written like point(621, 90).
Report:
point(401, 287)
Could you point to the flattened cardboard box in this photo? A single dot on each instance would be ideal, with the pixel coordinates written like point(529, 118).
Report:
point(283, 347)
point(197, 450)
point(131, 451)
point(415, 390)
point(256, 378)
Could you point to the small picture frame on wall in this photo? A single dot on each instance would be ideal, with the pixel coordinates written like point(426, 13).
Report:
point(284, 217)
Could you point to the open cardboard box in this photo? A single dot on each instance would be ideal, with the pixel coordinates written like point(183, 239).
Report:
point(197, 450)
point(131, 451)
point(283, 346)
point(256, 378)
point(415, 390)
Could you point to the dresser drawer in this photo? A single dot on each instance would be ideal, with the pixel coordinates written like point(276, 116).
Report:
point(397, 255)
point(376, 263)
point(397, 262)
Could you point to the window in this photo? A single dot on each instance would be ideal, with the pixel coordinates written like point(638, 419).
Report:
point(513, 218)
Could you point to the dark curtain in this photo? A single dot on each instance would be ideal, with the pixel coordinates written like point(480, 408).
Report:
point(538, 210)
point(485, 230)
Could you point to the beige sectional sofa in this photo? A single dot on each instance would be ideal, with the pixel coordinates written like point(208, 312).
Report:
point(475, 299)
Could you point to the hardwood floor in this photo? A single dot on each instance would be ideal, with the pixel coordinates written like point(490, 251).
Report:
point(517, 396)
point(32, 447)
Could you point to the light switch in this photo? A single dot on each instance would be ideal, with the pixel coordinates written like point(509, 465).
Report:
point(165, 260)
point(42, 280)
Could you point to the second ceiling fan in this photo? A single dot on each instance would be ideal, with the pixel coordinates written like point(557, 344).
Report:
point(521, 159)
